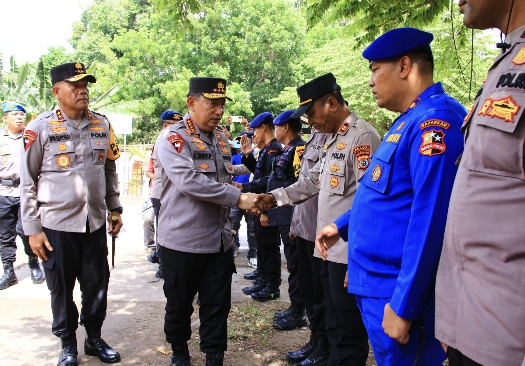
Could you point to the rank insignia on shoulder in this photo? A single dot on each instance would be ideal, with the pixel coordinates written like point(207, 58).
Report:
point(334, 182)
point(200, 146)
point(334, 168)
point(60, 115)
point(191, 126)
point(505, 109)
point(520, 57)
point(177, 141)
point(340, 146)
point(204, 166)
point(55, 123)
point(435, 122)
point(400, 126)
point(225, 150)
point(197, 140)
point(271, 152)
point(63, 160)
point(415, 103)
point(344, 128)
point(433, 143)
point(58, 129)
point(29, 137)
point(376, 173)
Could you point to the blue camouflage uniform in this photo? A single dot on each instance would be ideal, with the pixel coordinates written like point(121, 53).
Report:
point(396, 225)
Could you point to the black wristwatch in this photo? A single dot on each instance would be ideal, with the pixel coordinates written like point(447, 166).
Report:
point(118, 209)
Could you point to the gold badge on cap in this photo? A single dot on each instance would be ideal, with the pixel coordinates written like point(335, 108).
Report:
point(220, 88)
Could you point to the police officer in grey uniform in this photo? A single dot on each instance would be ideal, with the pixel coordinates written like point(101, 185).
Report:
point(167, 119)
point(344, 159)
point(69, 180)
point(195, 234)
point(10, 220)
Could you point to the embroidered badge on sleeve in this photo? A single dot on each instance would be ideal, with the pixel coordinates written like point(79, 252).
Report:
point(362, 155)
point(299, 150)
point(177, 141)
point(433, 143)
point(29, 138)
point(114, 152)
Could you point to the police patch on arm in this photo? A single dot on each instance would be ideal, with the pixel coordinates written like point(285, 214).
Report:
point(299, 150)
point(29, 138)
point(177, 141)
point(433, 143)
point(114, 152)
point(362, 155)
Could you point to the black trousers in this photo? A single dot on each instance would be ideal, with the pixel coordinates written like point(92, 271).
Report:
point(344, 325)
point(210, 275)
point(10, 226)
point(290, 253)
point(82, 257)
point(267, 252)
point(456, 358)
point(309, 270)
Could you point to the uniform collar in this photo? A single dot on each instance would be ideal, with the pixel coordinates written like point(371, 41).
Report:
point(516, 35)
point(431, 90)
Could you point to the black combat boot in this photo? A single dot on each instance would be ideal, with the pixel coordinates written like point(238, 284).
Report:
point(9, 277)
point(321, 354)
point(258, 285)
point(252, 276)
point(214, 359)
point(36, 272)
point(303, 353)
point(180, 355)
point(94, 345)
point(270, 292)
point(153, 257)
point(283, 314)
point(69, 353)
point(296, 318)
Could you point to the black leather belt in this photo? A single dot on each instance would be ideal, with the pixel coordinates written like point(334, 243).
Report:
point(10, 182)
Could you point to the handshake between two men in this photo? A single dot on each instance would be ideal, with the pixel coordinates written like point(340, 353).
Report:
point(259, 203)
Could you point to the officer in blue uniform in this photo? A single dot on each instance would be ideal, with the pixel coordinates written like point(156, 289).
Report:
point(283, 174)
point(396, 224)
point(264, 133)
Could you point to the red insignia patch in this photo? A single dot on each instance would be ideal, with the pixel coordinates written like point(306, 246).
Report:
point(204, 166)
point(58, 129)
point(433, 143)
point(340, 146)
point(272, 151)
point(376, 173)
point(435, 122)
point(505, 109)
point(334, 182)
point(200, 146)
point(362, 154)
point(344, 128)
point(520, 57)
point(177, 141)
point(29, 138)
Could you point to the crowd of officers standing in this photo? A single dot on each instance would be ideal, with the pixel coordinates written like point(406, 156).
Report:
point(410, 242)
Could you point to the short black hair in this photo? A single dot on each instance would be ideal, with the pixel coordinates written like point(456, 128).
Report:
point(424, 59)
point(295, 125)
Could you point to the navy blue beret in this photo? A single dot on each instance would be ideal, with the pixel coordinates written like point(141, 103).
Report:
point(264, 117)
point(11, 107)
point(286, 117)
point(170, 115)
point(398, 42)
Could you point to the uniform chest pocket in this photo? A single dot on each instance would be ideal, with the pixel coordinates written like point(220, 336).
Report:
point(279, 166)
point(378, 174)
point(99, 151)
point(63, 154)
point(496, 140)
point(5, 157)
